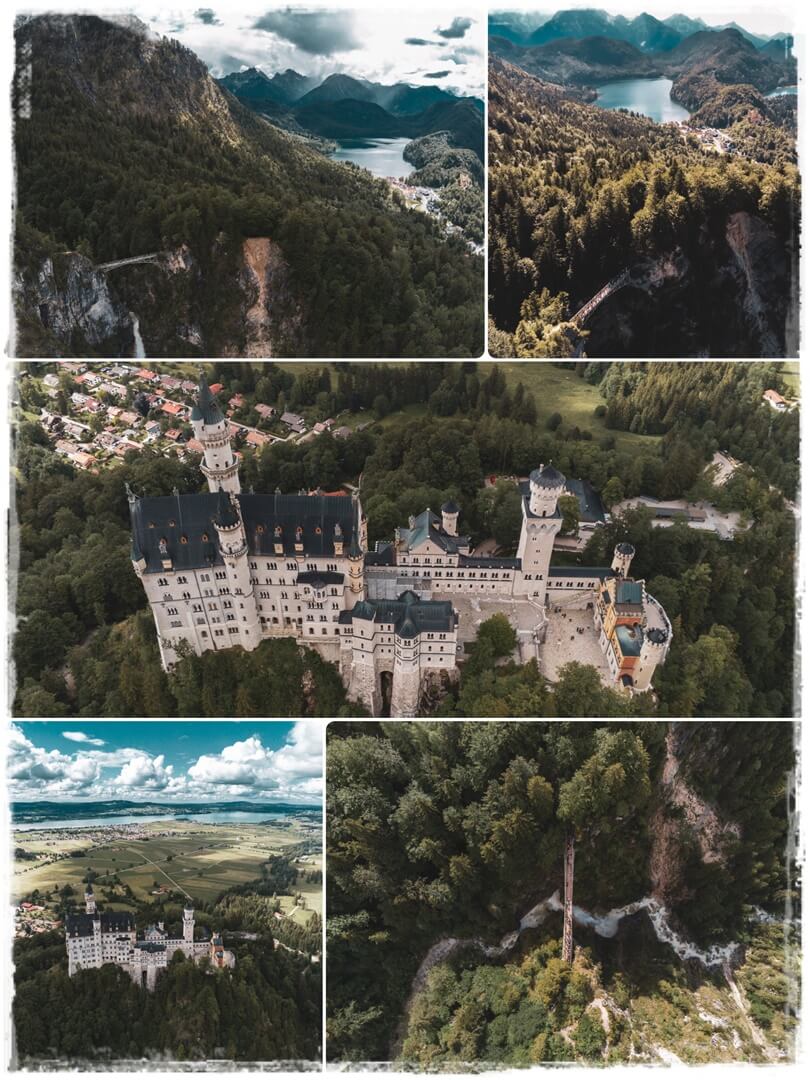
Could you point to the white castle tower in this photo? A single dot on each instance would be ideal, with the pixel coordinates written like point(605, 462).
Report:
point(654, 651)
point(450, 512)
point(541, 523)
point(407, 676)
point(622, 557)
point(220, 465)
point(89, 900)
point(188, 924)
point(233, 545)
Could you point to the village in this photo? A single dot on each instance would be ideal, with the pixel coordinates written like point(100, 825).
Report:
point(427, 200)
point(121, 408)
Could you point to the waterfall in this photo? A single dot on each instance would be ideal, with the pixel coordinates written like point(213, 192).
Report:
point(140, 351)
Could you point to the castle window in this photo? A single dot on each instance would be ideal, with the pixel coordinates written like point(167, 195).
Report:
point(184, 539)
point(260, 530)
point(204, 577)
point(182, 581)
point(272, 566)
point(172, 523)
point(163, 581)
point(205, 537)
point(317, 530)
point(233, 629)
point(151, 525)
point(172, 610)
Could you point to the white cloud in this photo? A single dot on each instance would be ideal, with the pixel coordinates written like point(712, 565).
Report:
point(244, 769)
point(248, 765)
point(79, 736)
point(143, 771)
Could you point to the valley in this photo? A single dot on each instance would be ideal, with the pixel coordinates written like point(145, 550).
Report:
point(672, 192)
point(156, 156)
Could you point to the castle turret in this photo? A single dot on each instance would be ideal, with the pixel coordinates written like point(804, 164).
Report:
point(136, 553)
point(406, 679)
point(654, 650)
point(244, 612)
point(450, 512)
point(188, 924)
point(541, 523)
point(220, 466)
point(356, 555)
point(89, 900)
point(546, 485)
point(622, 557)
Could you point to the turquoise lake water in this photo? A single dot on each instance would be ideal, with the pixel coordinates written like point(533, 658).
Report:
point(647, 96)
point(383, 157)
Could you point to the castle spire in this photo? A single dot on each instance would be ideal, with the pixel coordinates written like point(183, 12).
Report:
point(206, 406)
point(220, 465)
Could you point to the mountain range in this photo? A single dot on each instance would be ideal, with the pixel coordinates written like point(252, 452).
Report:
point(644, 31)
point(342, 106)
point(726, 56)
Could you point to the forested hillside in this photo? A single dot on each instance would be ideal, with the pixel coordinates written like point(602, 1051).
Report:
point(127, 147)
point(442, 837)
point(267, 1009)
point(578, 195)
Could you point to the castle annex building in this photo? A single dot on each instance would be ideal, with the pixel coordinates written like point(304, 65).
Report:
point(94, 938)
point(228, 568)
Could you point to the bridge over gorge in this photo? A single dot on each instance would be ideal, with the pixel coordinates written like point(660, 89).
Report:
point(568, 901)
point(591, 305)
point(153, 256)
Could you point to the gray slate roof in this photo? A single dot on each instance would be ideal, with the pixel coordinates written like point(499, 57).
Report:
point(590, 505)
point(429, 526)
point(206, 407)
point(112, 922)
point(410, 615)
point(186, 522)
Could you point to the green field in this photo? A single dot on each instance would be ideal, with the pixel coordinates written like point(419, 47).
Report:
point(200, 860)
point(560, 390)
point(555, 390)
point(790, 373)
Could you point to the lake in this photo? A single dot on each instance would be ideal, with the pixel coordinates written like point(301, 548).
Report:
point(647, 96)
point(780, 91)
point(215, 817)
point(383, 157)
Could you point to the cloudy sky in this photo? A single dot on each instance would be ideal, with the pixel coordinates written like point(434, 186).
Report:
point(166, 762)
point(414, 44)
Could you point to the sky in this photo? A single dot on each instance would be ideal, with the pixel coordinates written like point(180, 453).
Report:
point(191, 761)
point(387, 44)
point(766, 19)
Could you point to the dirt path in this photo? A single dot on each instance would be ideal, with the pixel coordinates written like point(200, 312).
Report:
point(256, 250)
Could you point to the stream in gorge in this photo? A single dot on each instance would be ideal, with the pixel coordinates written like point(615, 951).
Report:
point(605, 926)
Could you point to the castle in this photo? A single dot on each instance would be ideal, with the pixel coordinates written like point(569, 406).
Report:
point(93, 938)
point(227, 568)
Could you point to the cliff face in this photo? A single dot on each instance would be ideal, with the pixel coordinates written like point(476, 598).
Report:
point(73, 303)
point(68, 307)
point(731, 301)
